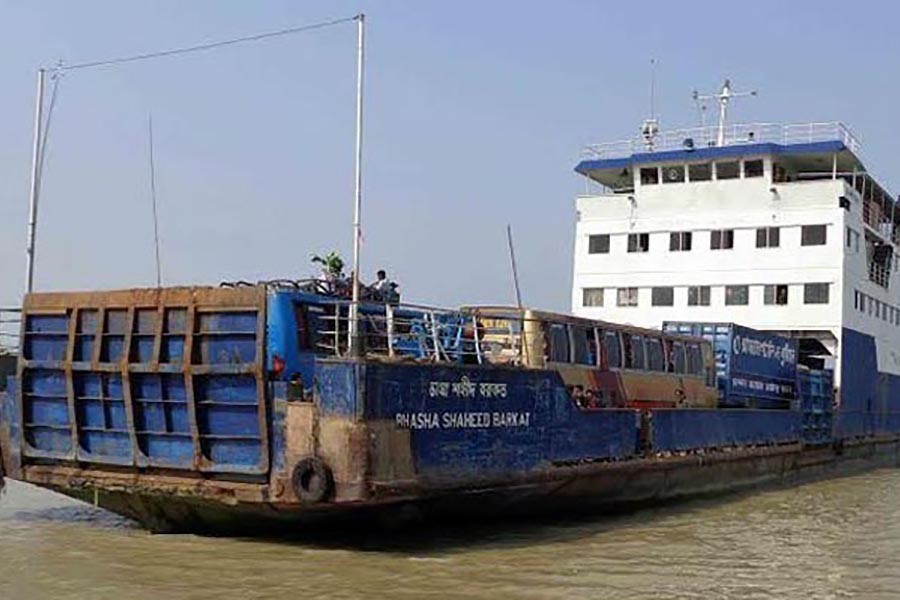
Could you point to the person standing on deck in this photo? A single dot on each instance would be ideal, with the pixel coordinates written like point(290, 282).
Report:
point(384, 288)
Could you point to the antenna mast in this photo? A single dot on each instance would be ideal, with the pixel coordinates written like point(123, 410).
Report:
point(35, 181)
point(512, 260)
point(723, 98)
point(153, 198)
point(650, 127)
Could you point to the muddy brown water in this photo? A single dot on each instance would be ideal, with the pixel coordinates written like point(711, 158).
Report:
point(829, 539)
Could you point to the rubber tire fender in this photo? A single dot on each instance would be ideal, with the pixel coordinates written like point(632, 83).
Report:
point(312, 480)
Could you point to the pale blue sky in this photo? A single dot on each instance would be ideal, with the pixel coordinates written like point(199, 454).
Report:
point(475, 115)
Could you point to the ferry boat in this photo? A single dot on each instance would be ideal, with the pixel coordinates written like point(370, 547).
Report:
point(777, 227)
point(262, 407)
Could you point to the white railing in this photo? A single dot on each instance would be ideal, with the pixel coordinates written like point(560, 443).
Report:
point(10, 320)
point(423, 333)
point(736, 134)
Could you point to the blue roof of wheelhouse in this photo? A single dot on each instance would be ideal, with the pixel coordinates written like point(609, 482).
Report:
point(709, 153)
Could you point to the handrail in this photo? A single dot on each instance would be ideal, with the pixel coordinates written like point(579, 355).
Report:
point(735, 134)
point(504, 336)
point(422, 333)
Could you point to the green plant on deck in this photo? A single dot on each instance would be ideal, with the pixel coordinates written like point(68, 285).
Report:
point(332, 263)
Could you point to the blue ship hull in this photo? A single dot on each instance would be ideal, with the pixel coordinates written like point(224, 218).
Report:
point(208, 410)
point(491, 442)
point(583, 491)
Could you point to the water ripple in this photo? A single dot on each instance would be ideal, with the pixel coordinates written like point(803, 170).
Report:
point(831, 540)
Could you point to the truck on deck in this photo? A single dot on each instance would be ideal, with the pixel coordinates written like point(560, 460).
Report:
point(248, 408)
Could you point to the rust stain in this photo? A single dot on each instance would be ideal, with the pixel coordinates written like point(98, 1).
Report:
point(63, 477)
point(391, 452)
point(344, 445)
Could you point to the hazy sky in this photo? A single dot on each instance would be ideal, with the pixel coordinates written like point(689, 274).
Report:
point(475, 116)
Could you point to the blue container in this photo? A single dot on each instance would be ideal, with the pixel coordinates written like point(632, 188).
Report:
point(754, 369)
point(816, 404)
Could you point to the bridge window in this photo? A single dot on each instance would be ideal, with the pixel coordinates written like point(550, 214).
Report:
point(680, 241)
point(775, 294)
point(662, 296)
point(638, 242)
point(768, 237)
point(655, 360)
point(737, 295)
point(673, 174)
point(598, 244)
point(753, 168)
point(817, 293)
point(721, 239)
point(627, 296)
point(728, 170)
point(813, 235)
point(592, 297)
point(700, 172)
point(613, 350)
point(649, 175)
point(698, 295)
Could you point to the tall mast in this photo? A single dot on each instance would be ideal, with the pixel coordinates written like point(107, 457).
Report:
point(35, 182)
point(723, 98)
point(357, 208)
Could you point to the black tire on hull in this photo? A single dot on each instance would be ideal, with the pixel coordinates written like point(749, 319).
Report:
point(312, 480)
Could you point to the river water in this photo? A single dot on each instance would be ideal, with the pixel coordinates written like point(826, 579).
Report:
point(829, 539)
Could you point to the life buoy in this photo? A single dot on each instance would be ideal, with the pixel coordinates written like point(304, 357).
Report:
point(312, 480)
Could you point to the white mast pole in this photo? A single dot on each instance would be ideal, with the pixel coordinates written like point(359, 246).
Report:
point(724, 96)
point(35, 182)
point(357, 232)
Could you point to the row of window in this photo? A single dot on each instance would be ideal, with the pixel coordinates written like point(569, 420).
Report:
point(622, 350)
point(701, 172)
point(700, 295)
point(719, 239)
point(876, 308)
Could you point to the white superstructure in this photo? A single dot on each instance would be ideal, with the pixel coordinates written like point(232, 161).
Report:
point(777, 227)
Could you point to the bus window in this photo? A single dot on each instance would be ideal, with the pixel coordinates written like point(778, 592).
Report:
point(613, 350)
point(694, 360)
point(627, 356)
point(582, 345)
point(678, 357)
point(637, 352)
point(558, 339)
point(655, 360)
point(593, 338)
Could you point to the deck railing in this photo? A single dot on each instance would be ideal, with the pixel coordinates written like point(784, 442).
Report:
point(736, 134)
point(423, 333)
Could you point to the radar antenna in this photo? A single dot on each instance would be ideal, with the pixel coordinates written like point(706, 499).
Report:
point(723, 98)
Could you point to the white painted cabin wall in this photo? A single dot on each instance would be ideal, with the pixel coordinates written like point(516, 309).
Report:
point(739, 204)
